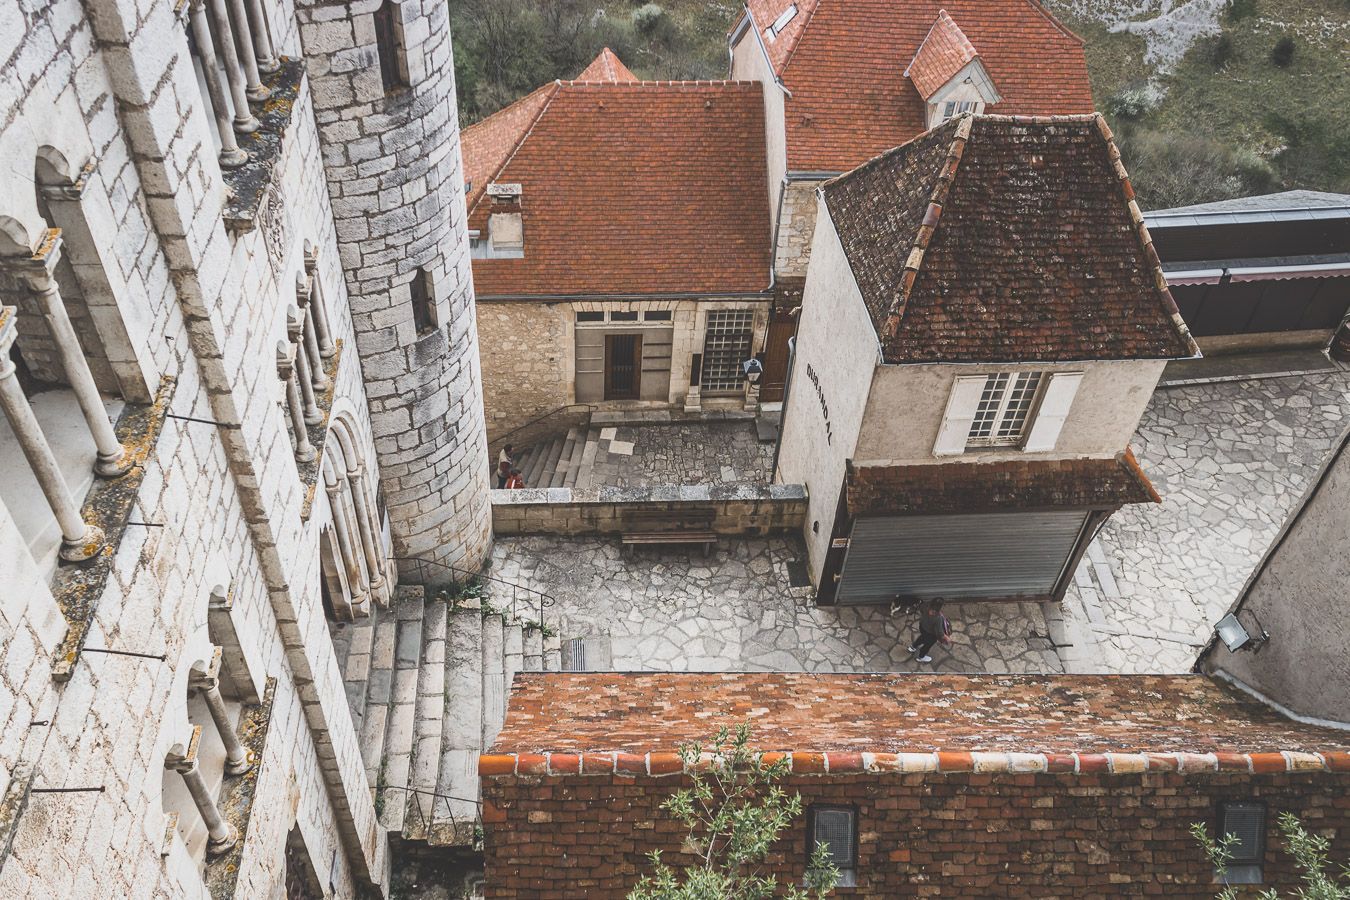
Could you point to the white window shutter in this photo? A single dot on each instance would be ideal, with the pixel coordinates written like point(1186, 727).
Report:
point(961, 406)
point(1059, 394)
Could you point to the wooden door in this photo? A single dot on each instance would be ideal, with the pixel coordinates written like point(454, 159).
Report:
point(781, 328)
point(623, 365)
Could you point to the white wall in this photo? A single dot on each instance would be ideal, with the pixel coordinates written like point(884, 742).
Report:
point(748, 63)
point(906, 406)
point(836, 341)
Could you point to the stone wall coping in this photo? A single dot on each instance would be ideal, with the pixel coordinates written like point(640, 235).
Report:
point(665, 493)
point(657, 764)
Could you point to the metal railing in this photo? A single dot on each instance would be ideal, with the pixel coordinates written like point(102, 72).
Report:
point(428, 816)
point(547, 423)
point(521, 596)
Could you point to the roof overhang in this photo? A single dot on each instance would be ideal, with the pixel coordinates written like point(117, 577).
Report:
point(1275, 269)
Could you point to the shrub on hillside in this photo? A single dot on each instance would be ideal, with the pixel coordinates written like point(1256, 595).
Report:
point(1218, 50)
point(1132, 102)
point(1240, 9)
point(1282, 54)
point(1177, 169)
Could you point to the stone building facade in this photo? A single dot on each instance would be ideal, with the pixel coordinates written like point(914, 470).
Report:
point(223, 418)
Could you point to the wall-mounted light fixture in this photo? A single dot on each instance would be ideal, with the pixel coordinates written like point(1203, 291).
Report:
point(753, 369)
point(1235, 635)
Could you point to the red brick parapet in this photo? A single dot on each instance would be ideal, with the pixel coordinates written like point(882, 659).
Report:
point(497, 765)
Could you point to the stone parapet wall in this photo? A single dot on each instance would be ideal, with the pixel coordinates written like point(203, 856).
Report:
point(962, 835)
point(734, 509)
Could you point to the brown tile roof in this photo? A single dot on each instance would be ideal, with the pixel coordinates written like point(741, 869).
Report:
point(844, 63)
point(945, 51)
point(488, 144)
point(1009, 484)
point(633, 722)
point(1005, 239)
point(606, 67)
point(632, 187)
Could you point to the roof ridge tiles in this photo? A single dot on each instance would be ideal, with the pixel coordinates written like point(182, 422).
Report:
point(656, 83)
point(658, 764)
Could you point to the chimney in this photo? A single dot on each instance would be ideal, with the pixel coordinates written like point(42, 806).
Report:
point(506, 229)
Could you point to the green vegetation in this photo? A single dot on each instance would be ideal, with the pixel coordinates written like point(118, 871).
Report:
point(734, 812)
point(506, 48)
point(1264, 105)
point(1311, 856)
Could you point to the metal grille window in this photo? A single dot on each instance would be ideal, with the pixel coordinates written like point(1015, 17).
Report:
point(837, 828)
point(1246, 824)
point(1005, 405)
point(725, 346)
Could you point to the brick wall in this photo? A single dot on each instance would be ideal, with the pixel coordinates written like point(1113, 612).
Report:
point(950, 835)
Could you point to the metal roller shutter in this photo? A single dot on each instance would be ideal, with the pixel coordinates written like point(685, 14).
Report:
point(956, 556)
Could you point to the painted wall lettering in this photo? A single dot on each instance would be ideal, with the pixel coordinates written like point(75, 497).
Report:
point(824, 407)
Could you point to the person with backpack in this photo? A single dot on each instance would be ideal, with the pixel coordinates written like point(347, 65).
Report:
point(933, 627)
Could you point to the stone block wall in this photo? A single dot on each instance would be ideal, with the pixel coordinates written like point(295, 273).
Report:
point(736, 509)
point(970, 835)
point(394, 173)
point(796, 226)
point(110, 82)
point(529, 361)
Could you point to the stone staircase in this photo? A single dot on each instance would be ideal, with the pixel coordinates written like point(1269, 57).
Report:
point(565, 460)
point(427, 682)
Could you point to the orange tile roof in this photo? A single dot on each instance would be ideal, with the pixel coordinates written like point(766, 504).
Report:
point(844, 62)
point(765, 12)
point(944, 52)
point(488, 144)
point(1001, 239)
point(631, 188)
point(606, 67)
point(592, 723)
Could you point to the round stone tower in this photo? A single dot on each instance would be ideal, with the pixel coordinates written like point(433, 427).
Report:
point(382, 80)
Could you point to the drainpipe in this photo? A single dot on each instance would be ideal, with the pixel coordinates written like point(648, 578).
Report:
point(782, 417)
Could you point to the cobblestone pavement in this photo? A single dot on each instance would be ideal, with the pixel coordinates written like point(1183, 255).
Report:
point(1230, 461)
point(687, 453)
point(670, 610)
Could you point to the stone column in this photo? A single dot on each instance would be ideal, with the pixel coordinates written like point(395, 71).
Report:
point(239, 19)
point(369, 531)
point(244, 120)
point(351, 564)
point(314, 287)
point(231, 156)
point(79, 539)
point(207, 682)
point(304, 450)
point(112, 458)
point(295, 328)
point(262, 40)
point(404, 212)
point(223, 835)
point(305, 298)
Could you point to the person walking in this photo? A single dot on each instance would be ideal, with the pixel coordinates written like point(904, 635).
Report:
point(508, 455)
point(515, 481)
point(503, 474)
point(933, 627)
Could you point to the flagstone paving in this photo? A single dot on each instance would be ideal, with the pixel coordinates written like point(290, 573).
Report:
point(1230, 460)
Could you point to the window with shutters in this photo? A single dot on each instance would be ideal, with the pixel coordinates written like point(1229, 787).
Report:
point(837, 828)
point(1004, 408)
point(1245, 824)
point(725, 346)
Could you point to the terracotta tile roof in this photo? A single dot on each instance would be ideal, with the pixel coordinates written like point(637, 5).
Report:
point(765, 12)
point(634, 187)
point(1004, 239)
point(1009, 484)
point(844, 62)
point(607, 67)
point(596, 723)
point(945, 51)
point(488, 144)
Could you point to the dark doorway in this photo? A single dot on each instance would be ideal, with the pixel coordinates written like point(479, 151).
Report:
point(782, 327)
point(623, 363)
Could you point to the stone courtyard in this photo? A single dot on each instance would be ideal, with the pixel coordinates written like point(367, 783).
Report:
point(1229, 458)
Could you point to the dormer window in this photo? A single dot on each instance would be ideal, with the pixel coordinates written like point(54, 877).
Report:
point(953, 108)
point(786, 16)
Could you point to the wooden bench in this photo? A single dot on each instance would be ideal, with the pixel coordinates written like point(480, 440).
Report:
point(692, 526)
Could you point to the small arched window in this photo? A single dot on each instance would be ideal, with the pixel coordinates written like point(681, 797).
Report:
point(389, 43)
point(423, 302)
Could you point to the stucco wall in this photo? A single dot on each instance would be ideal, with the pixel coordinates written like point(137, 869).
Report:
point(1299, 595)
point(748, 63)
point(904, 411)
point(821, 421)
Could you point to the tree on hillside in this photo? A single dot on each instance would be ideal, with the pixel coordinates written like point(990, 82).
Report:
point(735, 811)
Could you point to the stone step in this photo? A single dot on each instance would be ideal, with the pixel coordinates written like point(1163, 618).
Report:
point(494, 687)
point(397, 768)
point(352, 642)
point(533, 651)
point(588, 454)
point(553, 653)
point(539, 458)
point(513, 655)
point(430, 708)
point(564, 456)
point(455, 810)
point(578, 461)
point(379, 691)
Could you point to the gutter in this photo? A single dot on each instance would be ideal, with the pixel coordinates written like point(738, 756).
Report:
point(1278, 707)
